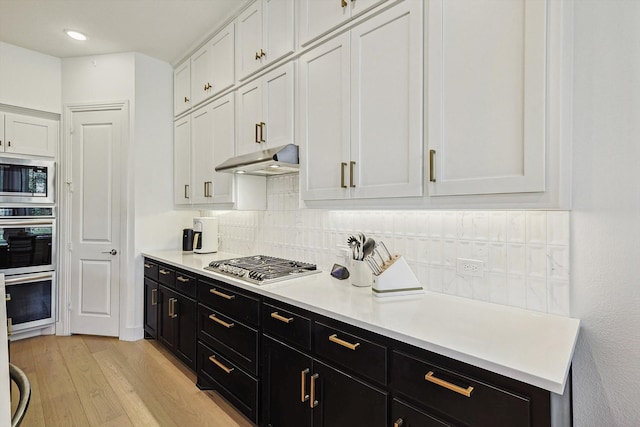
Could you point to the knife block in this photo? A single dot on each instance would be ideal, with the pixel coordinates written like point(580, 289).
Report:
point(396, 279)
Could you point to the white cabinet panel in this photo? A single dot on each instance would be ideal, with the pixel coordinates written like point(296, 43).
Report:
point(182, 88)
point(324, 120)
point(223, 111)
point(361, 110)
point(202, 161)
point(249, 118)
point(201, 74)
point(32, 136)
point(182, 161)
point(487, 96)
point(249, 40)
point(278, 28)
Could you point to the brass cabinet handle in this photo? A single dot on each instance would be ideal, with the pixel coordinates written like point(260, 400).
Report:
point(432, 174)
point(207, 86)
point(220, 364)
point(343, 3)
point(262, 125)
point(276, 316)
point(210, 188)
point(222, 322)
point(334, 338)
point(154, 297)
point(174, 301)
point(164, 272)
point(351, 165)
point(342, 166)
point(147, 265)
point(7, 297)
point(171, 308)
point(257, 130)
point(257, 56)
point(399, 422)
point(313, 402)
point(182, 279)
point(9, 326)
point(9, 143)
point(186, 99)
point(262, 53)
point(303, 393)
point(220, 294)
point(442, 383)
point(186, 191)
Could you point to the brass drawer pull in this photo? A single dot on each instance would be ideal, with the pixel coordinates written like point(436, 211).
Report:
point(164, 272)
point(220, 365)
point(182, 279)
point(313, 402)
point(147, 265)
point(399, 422)
point(222, 322)
point(220, 294)
point(334, 338)
point(276, 316)
point(303, 392)
point(7, 297)
point(442, 383)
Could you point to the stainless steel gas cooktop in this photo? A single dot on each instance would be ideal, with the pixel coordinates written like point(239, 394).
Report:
point(262, 269)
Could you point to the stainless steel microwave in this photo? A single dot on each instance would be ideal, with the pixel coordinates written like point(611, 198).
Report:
point(26, 180)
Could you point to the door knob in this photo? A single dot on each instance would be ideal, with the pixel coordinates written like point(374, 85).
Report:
point(112, 252)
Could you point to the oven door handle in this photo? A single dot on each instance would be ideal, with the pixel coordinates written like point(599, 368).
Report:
point(26, 278)
point(25, 223)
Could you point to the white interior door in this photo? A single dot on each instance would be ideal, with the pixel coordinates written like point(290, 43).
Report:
point(95, 224)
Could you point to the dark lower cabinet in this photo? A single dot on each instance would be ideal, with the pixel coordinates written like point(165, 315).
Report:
point(300, 391)
point(150, 308)
point(177, 324)
point(405, 415)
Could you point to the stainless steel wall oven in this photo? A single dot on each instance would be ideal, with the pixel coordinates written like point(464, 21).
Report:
point(28, 261)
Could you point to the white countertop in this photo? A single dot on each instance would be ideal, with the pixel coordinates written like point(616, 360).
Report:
point(534, 348)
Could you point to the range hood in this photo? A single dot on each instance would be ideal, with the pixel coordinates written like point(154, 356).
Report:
point(273, 161)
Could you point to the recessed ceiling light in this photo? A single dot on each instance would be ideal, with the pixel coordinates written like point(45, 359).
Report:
point(240, 172)
point(274, 166)
point(76, 35)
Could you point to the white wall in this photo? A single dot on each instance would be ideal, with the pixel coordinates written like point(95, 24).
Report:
point(29, 79)
point(95, 79)
point(606, 216)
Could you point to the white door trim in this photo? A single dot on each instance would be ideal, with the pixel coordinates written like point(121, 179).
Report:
point(64, 185)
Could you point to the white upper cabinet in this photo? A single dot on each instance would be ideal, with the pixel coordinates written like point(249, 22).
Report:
point(223, 112)
point(318, 17)
point(212, 66)
point(32, 136)
point(202, 161)
point(265, 34)
point(265, 111)
point(182, 161)
point(486, 97)
point(182, 88)
point(361, 109)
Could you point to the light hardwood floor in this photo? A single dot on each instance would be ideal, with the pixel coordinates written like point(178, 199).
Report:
point(96, 381)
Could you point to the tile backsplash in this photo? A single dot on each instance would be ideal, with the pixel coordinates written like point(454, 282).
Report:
point(525, 253)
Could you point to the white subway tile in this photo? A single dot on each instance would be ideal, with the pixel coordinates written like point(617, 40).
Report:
point(450, 253)
point(497, 258)
point(465, 225)
point(516, 259)
point(435, 252)
point(449, 281)
point(536, 231)
point(481, 225)
point(498, 288)
point(558, 263)
point(481, 288)
point(516, 227)
point(498, 226)
point(516, 291)
point(558, 228)
point(536, 261)
point(449, 225)
point(536, 294)
point(435, 224)
point(558, 299)
point(464, 285)
point(436, 282)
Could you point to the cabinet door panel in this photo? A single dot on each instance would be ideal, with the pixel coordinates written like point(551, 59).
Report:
point(336, 391)
point(222, 53)
point(30, 135)
point(223, 111)
point(408, 416)
point(249, 40)
point(277, 102)
point(150, 308)
point(182, 161)
point(319, 17)
point(249, 118)
point(201, 74)
point(324, 119)
point(278, 38)
point(166, 325)
point(185, 312)
point(386, 104)
point(182, 88)
point(283, 373)
point(487, 96)
point(202, 159)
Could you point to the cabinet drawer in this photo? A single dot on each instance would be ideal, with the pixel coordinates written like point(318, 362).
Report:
point(355, 353)
point(186, 284)
point(286, 325)
point(236, 340)
point(405, 415)
point(167, 276)
point(219, 373)
point(150, 270)
point(229, 302)
point(456, 395)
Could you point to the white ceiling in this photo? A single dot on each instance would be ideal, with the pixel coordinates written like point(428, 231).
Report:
point(163, 29)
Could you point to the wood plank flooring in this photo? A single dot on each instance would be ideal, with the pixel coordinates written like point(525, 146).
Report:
point(96, 381)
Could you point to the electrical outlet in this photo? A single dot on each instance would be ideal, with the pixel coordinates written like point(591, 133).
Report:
point(470, 267)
